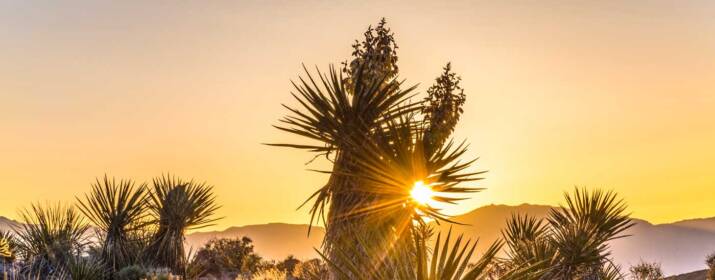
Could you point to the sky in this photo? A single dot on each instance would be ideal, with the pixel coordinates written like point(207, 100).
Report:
point(618, 95)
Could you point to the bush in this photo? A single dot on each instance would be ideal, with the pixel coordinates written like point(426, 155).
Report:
point(227, 256)
point(133, 272)
point(646, 271)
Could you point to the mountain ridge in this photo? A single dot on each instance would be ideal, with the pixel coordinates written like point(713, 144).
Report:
point(680, 247)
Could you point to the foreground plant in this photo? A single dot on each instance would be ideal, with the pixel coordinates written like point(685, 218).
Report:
point(50, 237)
point(177, 206)
point(382, 145)
point(572, 243)
point(227, 257)
point(444, 260)
point(646, 271)
point(118, 210)
point(6, 247)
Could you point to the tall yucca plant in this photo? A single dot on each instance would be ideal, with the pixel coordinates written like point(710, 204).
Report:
point(340, 117)
point(51, 235)
point(118, 210)
point(177, 206)
point(365, 121)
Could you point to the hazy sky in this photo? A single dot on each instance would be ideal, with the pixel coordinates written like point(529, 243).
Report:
point(611, 94)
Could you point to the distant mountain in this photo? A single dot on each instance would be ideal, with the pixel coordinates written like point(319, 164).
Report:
point(7, 224)
point(272, 241)
point(680, 247)
point(706, 224)
point(695, 275)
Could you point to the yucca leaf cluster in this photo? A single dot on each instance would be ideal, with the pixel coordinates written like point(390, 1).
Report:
point(572, 242)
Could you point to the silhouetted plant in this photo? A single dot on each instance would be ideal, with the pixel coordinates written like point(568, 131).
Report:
point(227, 258)
point(177, 206)
point(117, 209)
point(573, 243)
point(646, 271)
point(288, 265)
point(313, 269)
point(50, 237)
point(710, 262)
point(380, 146)
point(86, 268)
point(132, 272)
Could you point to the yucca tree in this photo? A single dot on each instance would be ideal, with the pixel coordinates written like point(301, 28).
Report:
point(573, 241)
point(50, 236)
point(177, 206)
point(381, 143)
point(118, 210)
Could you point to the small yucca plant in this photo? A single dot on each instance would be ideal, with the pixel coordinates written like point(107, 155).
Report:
point(118, 210)
point(177, 206)
point(86, 268)
point(50, 236)
point(572, 243)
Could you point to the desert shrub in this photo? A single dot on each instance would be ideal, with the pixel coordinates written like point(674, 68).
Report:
point(267, 274)
point(311, 270)
point(710, 262)
point(132, 272)
point(227, 256)
point(86, 268)
point(288, 265)
point(646, 271)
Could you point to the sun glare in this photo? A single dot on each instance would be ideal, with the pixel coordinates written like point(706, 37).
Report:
point(421, 193)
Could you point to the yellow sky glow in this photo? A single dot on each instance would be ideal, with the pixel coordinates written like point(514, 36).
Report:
point(612, 94)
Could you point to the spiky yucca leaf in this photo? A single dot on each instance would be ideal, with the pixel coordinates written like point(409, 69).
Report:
point(396, 160)
point(177, 206)
point(117, 209)
point(528, 242)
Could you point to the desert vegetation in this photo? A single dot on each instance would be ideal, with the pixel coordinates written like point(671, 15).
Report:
point(120, 230)
point(394, 161)
point(646, 271)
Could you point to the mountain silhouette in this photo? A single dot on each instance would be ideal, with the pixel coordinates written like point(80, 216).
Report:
point(680, 247)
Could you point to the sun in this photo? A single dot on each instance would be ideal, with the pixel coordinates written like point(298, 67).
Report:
point(421, 193)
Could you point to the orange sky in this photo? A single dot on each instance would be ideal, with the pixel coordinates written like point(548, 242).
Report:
point(612, 94)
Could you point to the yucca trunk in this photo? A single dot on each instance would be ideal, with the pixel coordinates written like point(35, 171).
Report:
point(168, 248)
point(353, 225)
